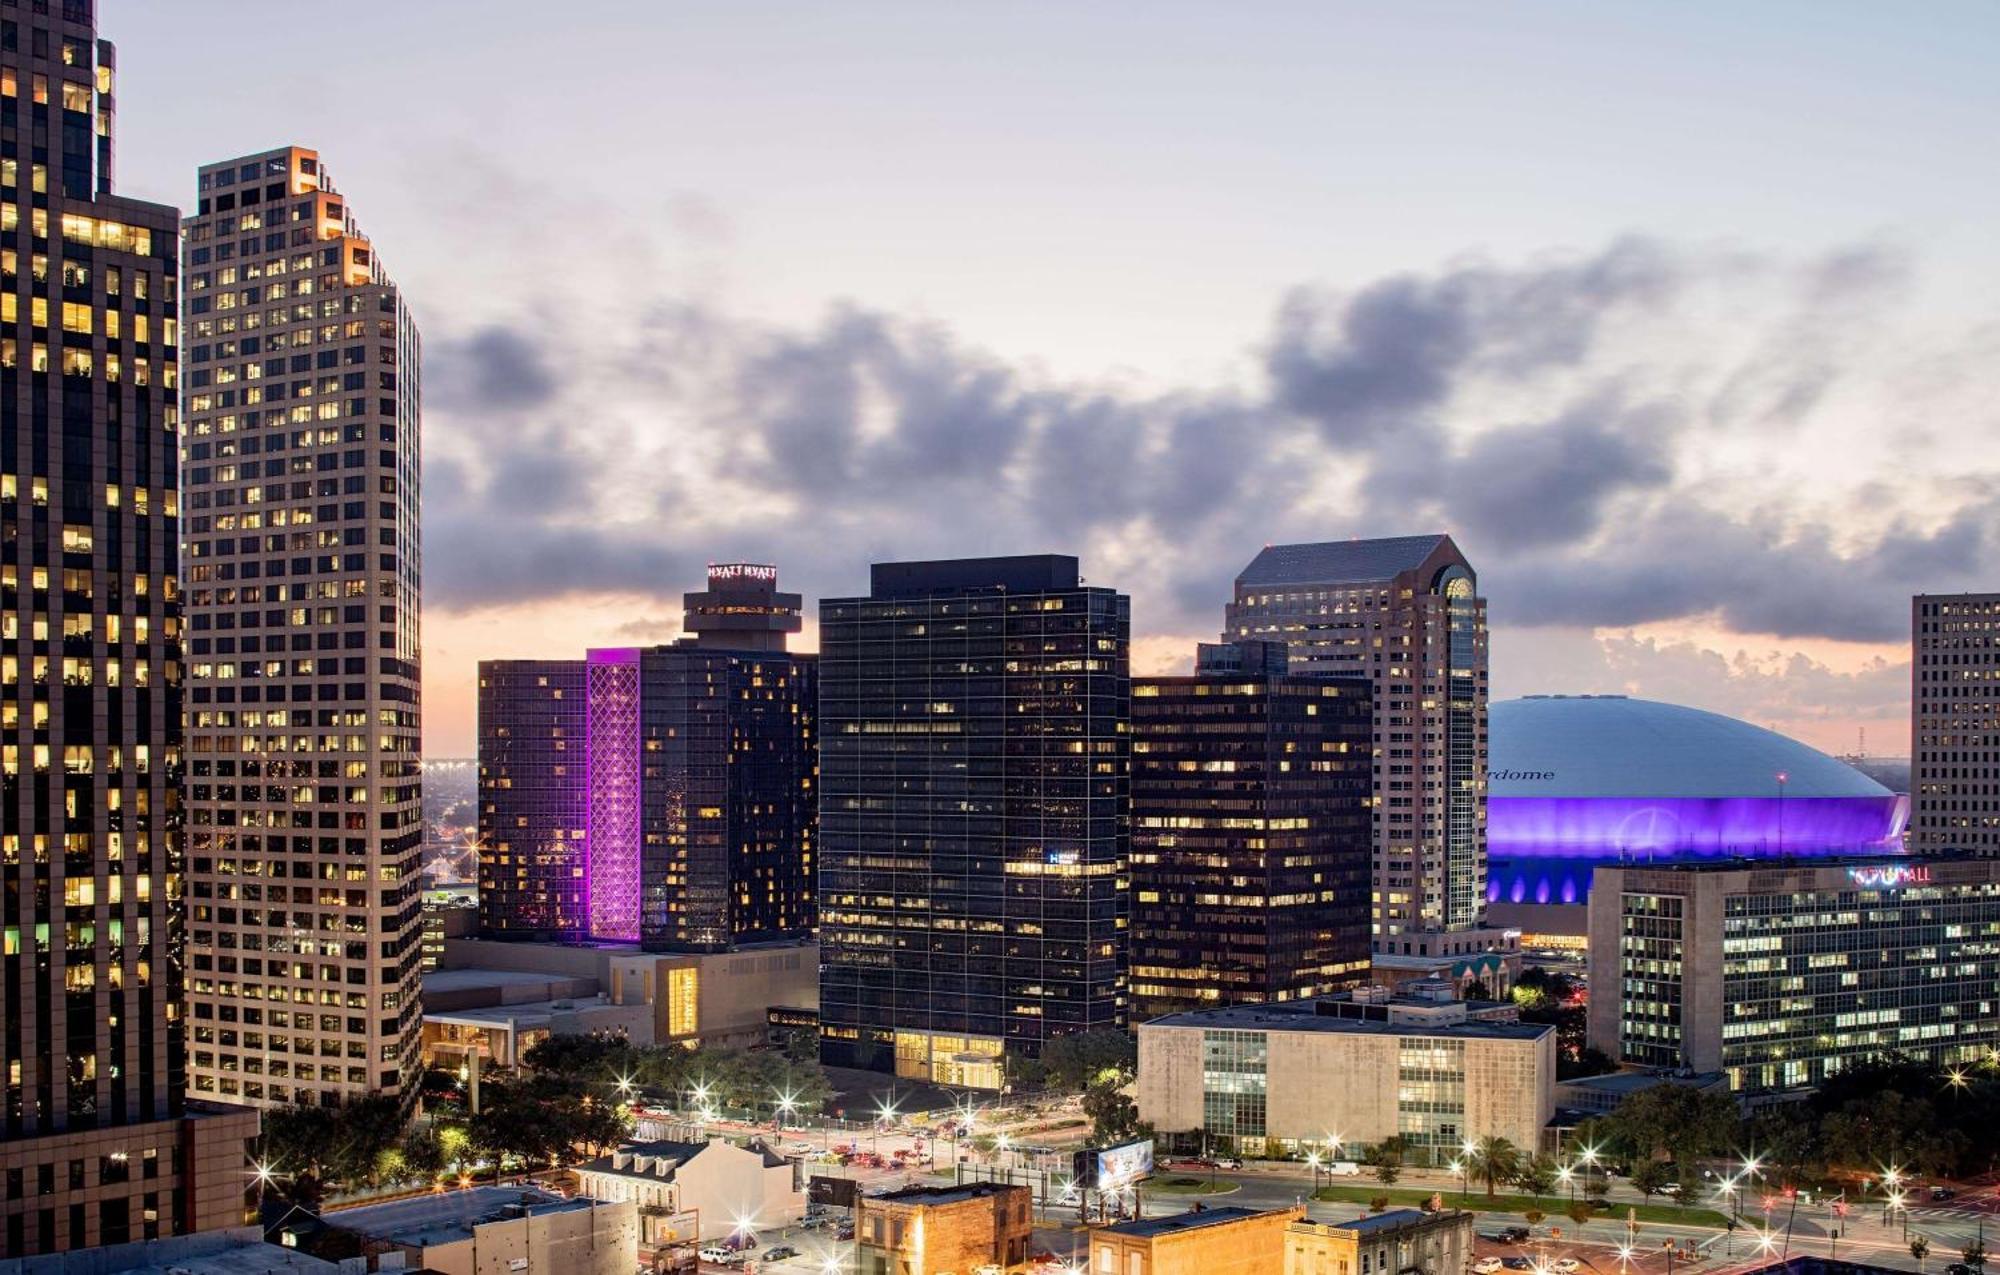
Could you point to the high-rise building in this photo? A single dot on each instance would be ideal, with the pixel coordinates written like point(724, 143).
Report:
point(1406, 614)
point(974, 815)
point(664, 796)
point(96, 1144)
point(1251, 838)
point(300, 473)
point(532, 800)
point(1955, 722)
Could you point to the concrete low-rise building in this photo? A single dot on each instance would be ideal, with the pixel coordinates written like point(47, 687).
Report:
point(1780, 974)
point(1273, 1079)
point(700, 1190)
point(1398, 1242)
point(1201, 1241)
point(496, 1230)
point(238, 1250)
point(932, 1230)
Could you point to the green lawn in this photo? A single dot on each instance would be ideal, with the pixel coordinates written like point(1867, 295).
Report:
point(1188, 1186)
point(1549, 1204)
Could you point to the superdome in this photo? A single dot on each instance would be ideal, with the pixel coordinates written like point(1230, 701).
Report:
point(1574, 781)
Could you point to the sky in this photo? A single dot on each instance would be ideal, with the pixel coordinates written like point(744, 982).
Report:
point(1681, 319)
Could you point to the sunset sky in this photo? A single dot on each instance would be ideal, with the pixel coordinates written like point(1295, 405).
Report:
point(1682, 319)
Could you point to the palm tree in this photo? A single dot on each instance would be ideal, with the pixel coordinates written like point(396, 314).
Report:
point(1494, 1160)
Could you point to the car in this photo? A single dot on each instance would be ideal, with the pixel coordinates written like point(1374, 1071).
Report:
point(1514, 1234)
point(1942, 1193)
point(1517, 1264)
point(846, 1231)
point(718, 1254)
point(1343, 1169)
point(1958, 1268)
point(1229, 1164)
point(1486, 1266)
point(1670, 1188)
point(779, 1253)
point(1567, 1265)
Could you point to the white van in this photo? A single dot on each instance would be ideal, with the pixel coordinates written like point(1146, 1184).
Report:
point(1344, 1169)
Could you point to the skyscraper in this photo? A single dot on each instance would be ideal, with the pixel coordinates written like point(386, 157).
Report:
point(1955, 722)
point(96, 1145)
point(304, 567)
point(664, 795)
point(1251, 840)
point(532, 801)
point(1405, 614)
point(974, 833)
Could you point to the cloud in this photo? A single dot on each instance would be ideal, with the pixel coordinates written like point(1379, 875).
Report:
point(1607, 452)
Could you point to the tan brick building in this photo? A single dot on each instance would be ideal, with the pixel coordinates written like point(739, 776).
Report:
point(1276, 1078)
point(1399, 1242)
point(943, 1230)
point(1202, 1241)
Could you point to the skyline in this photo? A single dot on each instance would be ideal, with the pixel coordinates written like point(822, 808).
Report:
point(1694, 454)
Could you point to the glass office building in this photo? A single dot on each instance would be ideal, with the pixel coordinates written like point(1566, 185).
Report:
point(974, 814)
point(1778, 975)
point(1251, 792)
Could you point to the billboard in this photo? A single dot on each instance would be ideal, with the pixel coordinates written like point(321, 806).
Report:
point(1107, 1168)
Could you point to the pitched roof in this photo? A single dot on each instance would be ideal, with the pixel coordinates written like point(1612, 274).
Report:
point(1340, 561)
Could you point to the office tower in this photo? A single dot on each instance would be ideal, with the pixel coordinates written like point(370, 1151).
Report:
point(532, 799)
point(974, 777)
point(1405, 614)
point(665, 795)
point(1251, 838)
point(1955, 722)
point(303, 565)
point(1779, 975)
point(96, 1145)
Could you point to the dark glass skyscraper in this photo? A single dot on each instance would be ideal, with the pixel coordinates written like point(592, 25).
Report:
point(1250, 833)
point(973, 817)
point(95, 1144)
point(531, 799)
point(665, 795)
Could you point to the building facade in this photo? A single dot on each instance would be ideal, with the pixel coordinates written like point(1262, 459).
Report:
point(1405, 614)
point(1955, 722)
point(665, 795)
point(1278, 1079)
point(1396, 1242)
point(931, 1230)
point(96, 1144)
point(1778, 975)
point(716, 1184)
point(974, 815)
point(1202, 1241)
point(1251, 792)
point(532, 800)
point(301, 472)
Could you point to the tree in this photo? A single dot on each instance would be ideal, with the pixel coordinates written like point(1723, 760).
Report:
point(1074, 1062)
point(1589, 1061)
point(1678, 1122)
point(1534, 1217)
point(1920, 1248)
point(1597, 1188)
point(1974, 1254)
point(1493, 1161)
point(1579, 1213)
point(1536, 1175)
point(1114, 1117)
point(1386, 1158)
point(1648, 1177)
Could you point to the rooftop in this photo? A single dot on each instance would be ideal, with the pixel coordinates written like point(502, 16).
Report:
point(448, 1217)
point(1193, 1219)
point(943, 1194)
point(1393, 1220)
point(1298, 1017)
point(237, 1251)
point(1028, 573)
point(1340, 561)
point(461, 980)
point(1631, 1082)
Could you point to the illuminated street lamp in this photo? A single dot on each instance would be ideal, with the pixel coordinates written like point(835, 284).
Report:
point(1458, 1167)
point(1566, 1176)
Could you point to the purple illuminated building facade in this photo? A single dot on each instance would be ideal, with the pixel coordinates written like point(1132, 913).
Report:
point(1582, 782)
point(688, 774)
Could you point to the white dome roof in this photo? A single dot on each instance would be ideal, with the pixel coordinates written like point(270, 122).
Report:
point(1613, 746)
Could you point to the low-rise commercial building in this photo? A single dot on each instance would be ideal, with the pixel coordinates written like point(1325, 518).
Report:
point(1201, 1241)
point(496, 1230)
point(931, 1230)
point(1779, 974)
point(698, 1190)
point(238, 1250)
point(1265, 1079)
point(1398, 1242)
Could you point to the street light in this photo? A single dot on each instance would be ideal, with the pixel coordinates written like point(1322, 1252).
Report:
point(1565, 1176)
point(1458, 1167)
point(1312, 1162)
